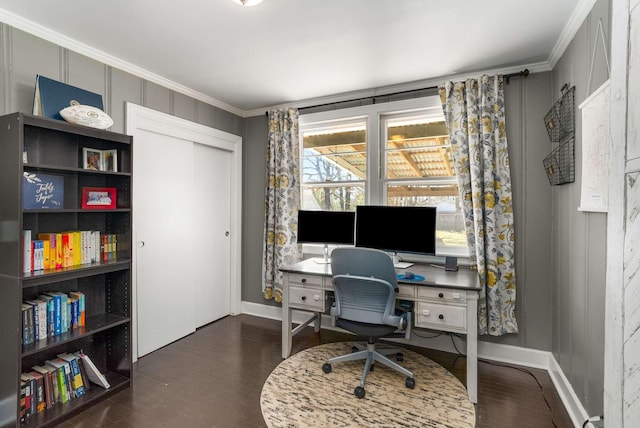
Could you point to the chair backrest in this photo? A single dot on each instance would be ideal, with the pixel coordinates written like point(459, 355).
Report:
point(364, 282)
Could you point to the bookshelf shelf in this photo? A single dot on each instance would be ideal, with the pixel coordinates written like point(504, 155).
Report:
point(55, 148)
point(95, 324)
point(59, 414)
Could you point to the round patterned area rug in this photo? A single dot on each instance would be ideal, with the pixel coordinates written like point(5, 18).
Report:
point(299, 394)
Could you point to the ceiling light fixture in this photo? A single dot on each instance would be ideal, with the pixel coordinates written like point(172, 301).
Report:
point(248, 2)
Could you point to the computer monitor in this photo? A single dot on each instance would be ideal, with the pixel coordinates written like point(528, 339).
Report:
point(397, 229)
point(326, 227)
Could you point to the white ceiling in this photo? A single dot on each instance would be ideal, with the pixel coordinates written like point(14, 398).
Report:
point(245, 59)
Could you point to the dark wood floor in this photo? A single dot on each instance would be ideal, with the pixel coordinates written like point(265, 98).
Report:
point(213, 378)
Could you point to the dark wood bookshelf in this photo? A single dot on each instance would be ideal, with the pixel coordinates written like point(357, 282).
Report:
point(56, 147)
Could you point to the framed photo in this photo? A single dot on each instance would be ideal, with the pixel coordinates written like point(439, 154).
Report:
point(92, 159)
point(99, 198)
point(110, 160)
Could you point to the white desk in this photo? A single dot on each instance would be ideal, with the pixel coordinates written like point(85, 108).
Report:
point(444, 301)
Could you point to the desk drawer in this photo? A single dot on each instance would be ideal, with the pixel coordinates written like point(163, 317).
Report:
point(306, 280)
point(441, 317)
point(442, 294)
point(306, 298)
point(406, 292)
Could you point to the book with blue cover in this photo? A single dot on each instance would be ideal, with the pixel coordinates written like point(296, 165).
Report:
point(51, 96)
point(42, 191)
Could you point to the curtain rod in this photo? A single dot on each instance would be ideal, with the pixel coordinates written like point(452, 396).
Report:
point(507, 77)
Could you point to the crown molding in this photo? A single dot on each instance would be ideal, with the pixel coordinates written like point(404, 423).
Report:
point(572, 26)
point(83, 49)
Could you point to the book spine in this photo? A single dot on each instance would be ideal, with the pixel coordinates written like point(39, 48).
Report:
point(59, 251)
point(26, 251)
point(77, 248)
point(40, 392)
point(23, 400)
point(42, 317)
point(74, 313)
point(105, 247)
point(47, 254)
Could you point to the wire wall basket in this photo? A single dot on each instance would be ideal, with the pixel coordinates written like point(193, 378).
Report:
point(560, 123)
point(560, 120)
point(560, 165)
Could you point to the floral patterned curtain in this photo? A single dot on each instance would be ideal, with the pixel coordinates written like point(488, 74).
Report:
point(474, 113)
point(282, 199)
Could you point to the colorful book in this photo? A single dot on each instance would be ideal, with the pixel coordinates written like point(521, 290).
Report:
point(59, 251)
point(28, 335)
point(50, 250)
point(41, 403)
point(93, 373)
point(76, 375)
point(79, 296)
point(50, 313)
point(77, 248)
point(65, 375)
point(48, 376)
point(39, 307)
point(60, 378)
point(23, 400)
point(57, 312)
point(31, 394)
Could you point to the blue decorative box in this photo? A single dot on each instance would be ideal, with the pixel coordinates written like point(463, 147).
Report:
point(42, 191)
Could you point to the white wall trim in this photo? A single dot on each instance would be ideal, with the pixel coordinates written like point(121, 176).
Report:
point(509, 354)
point(572, 26)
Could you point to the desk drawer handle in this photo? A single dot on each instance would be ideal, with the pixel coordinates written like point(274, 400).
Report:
point(441, 316)
point(441, 295)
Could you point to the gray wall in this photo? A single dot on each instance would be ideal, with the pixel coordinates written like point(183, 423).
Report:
point(24, 56)
point(579, 238)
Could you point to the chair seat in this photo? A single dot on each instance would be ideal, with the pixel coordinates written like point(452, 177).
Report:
point(365, 329)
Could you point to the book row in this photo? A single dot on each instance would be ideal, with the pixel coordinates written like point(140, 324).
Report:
point(51, 314)
point(65, 249)
point(57, 381)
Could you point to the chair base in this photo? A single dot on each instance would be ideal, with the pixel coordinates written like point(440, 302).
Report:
point(371, 355)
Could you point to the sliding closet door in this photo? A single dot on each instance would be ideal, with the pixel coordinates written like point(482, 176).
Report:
point(163, 201)
point(212, 219)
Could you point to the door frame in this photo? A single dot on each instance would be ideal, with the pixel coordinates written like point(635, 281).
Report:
point(139, 118)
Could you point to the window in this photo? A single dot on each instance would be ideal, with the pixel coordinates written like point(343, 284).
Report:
point(394, 153)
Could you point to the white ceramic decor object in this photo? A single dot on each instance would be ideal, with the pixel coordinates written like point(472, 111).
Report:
point(86, 116)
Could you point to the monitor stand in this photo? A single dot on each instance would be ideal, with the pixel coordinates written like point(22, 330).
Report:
point(325, 260)
point(397, 263)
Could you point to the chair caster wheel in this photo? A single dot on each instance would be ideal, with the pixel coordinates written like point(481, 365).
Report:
point(359, 392)
point(410, 383)
point(326, 367)
point(399, 357)
point(354, 349)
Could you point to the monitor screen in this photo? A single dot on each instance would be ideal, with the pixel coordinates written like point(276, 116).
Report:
point(396, 229)
point(326, 227)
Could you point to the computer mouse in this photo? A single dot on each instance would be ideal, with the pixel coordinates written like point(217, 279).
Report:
point(409, 275)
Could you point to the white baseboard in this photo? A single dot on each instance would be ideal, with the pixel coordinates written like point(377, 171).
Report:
point(486, 350)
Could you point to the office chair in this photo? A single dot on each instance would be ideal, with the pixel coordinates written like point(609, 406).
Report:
point(365, 288)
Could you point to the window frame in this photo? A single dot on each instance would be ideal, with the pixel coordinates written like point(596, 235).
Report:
point(375, 185)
